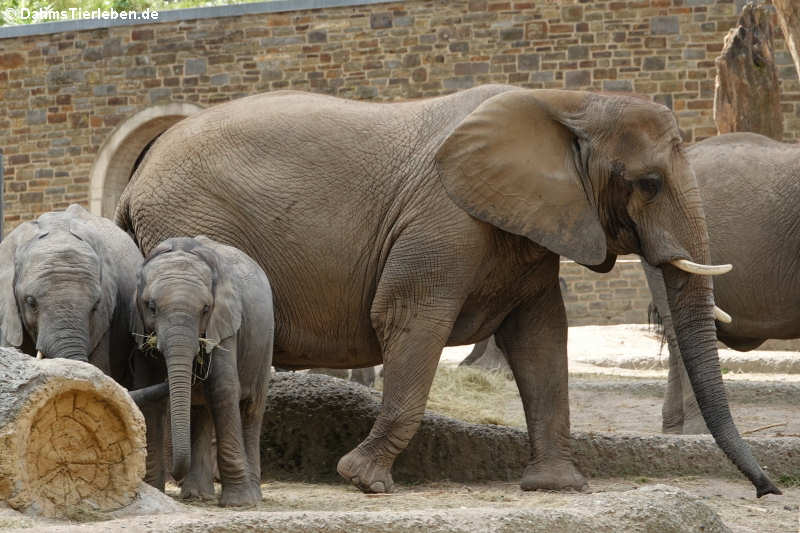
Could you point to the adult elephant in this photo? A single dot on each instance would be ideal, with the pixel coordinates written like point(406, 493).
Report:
point(750, 186)
point(392, 230)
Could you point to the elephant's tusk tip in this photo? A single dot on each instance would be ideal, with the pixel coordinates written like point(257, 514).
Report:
point(722, 316)
point(698, 268)
point(39, 355)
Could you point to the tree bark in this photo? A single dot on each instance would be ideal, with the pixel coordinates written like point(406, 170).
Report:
point(71, 438)
point(789, 20)
point(747, 94)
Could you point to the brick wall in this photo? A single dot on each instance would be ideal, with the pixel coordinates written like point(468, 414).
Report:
point(618, 297)
point(63, 94)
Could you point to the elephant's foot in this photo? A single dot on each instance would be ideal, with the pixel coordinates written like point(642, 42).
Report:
point(242, 495)
point(192, 489)
point(157, 482)
point(560, 475)
point(694, 425)
point(365, 473)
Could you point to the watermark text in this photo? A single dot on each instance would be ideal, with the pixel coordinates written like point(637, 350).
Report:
point(21, 15)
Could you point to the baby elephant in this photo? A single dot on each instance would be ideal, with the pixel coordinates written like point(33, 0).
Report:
point(66, 290)
point(210, 308)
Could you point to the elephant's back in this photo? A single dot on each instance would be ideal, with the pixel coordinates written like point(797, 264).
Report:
point(314, 188)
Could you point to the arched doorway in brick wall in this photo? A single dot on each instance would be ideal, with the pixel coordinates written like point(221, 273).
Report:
point(123, 151)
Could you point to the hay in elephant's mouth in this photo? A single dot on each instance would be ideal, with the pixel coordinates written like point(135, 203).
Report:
point(201, 368)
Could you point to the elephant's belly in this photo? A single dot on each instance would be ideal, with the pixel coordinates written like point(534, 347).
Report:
point(336, 353)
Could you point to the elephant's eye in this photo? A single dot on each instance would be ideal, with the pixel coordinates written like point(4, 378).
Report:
point(206, 309)
point(31, 301)
point(649, 185)
point(95, 306)
point(151, 305)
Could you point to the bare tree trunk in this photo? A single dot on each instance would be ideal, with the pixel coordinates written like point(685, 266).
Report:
point(71, 439)
point(747, 95)
point(789, 19)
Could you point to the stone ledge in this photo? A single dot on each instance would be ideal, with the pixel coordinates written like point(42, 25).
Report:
point(656, 508)
point(313, 420)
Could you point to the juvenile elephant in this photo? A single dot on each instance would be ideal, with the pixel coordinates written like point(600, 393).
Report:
point(210, 307)
point(67, 282)
point(389, 231)
point(750, 186)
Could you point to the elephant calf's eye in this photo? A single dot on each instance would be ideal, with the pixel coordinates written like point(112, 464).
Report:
point(151, 305)
point(31, 302)
point(649, 185)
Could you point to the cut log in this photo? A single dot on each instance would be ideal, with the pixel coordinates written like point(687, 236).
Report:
point(789, 19)
point(747, 95)
point(71, 438)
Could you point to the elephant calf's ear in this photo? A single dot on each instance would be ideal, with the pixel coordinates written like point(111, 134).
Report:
point(512, 164)
point(10, 321)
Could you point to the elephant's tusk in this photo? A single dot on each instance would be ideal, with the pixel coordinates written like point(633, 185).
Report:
point(39, 355)
point(722, 316)
point(697, 268)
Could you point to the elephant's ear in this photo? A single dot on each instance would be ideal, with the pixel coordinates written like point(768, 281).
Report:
point(81, 228)
point(226, 313)
point(515, 163)
point(605, 266)
point(10, 321)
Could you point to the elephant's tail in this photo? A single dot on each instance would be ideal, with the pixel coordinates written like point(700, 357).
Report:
point(655, 323)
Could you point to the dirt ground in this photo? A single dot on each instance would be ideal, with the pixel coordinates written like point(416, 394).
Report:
point(602, 399)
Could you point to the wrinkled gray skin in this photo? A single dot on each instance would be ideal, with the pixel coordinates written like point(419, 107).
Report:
point(389, 231)
point(66, 289)
point(750, 186)
point(197, 288)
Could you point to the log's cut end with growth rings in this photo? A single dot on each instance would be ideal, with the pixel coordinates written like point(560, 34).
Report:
point(72, 440)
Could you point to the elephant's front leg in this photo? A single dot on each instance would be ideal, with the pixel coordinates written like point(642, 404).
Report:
point(223, 393)
point(534, 336)
point(682, 395)
point(199, 482)
point(680, 412)
point(413, 324)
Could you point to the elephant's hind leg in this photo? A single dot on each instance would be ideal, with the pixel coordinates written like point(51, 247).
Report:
point(252, 416)
point(534, 336)
point(413, 324)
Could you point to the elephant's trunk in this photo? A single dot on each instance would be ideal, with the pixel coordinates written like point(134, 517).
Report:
point(691, 304)
point(63, 342)
point(146, 395)
point(180, 345)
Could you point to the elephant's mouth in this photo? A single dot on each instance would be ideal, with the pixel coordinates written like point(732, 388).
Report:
point(40, 356)
point(706, 270)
